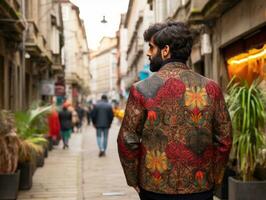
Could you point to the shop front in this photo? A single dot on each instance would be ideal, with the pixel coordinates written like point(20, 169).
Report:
point(246, 58)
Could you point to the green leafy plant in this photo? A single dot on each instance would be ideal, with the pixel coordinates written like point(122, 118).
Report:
point(26, 122)
point(29, 126)
point(247, 111)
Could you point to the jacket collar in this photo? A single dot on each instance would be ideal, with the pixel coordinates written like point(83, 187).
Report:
point(174, 63)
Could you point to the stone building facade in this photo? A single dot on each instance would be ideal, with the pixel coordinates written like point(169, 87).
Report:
point(75, 56)
point(103, 67)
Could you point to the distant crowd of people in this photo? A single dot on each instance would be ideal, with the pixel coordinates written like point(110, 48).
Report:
point(68, 119)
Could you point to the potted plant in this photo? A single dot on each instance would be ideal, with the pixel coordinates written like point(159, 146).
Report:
point(27, 164)
point(41, 145)
point(30, 153)
point(248, 118)
point(9, 150)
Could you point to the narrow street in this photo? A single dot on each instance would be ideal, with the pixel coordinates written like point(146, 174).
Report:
point(78, 173)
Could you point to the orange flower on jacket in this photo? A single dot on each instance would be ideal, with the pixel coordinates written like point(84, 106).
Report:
point(196, 97)
point(200, 177)
point(196, 118)
point(152, 116)
point(156, 161)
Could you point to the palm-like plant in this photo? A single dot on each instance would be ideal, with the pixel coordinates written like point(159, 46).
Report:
point(27, 125)
point(26, 121)
point(248, 116)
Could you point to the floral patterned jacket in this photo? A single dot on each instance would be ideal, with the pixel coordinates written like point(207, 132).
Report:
point(175, 137)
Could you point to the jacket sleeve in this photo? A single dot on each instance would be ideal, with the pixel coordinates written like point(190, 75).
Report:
point(93, 115)
point(222, 137)
point(129, 137)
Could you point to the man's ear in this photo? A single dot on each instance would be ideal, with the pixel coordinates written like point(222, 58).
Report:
point(166, 52)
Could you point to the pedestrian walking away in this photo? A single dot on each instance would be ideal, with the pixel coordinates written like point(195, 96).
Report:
point(176, 135)
point(102, 117)
point(88, 114)
point(65, 117)
point(80, 111)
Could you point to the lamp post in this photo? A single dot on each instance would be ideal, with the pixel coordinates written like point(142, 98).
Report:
point(104, 20)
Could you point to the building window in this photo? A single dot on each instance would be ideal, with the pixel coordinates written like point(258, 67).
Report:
point(11, 86)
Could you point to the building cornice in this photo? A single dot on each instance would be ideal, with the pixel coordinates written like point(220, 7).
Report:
point(140, 19)
point(136, 58)
point(128, 12)
point(97, 54)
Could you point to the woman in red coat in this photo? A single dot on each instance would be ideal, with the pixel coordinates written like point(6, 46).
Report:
point(54, 125)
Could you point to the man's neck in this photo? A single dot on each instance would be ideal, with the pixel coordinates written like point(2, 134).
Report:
point(173, 60)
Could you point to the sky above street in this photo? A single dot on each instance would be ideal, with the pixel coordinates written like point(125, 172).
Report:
point(92, 12)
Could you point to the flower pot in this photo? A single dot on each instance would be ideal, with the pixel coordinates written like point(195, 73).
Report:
point(50, 143)
point(33, 163)
point(222, 191)
point(56, 142)
point(26, 172)
point(40, 160)
point(45, 152)
point(239, 190)
point(9, 184)
point(260, 172)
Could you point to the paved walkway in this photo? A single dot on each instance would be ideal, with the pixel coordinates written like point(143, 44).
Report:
point(60, 177)
point(78, 173)
point(103, 178)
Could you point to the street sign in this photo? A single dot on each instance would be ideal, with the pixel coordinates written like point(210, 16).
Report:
point(47, 87)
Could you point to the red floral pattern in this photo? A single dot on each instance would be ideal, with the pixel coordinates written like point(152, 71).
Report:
point(213, 90)
point(173, 88)
point(177, 153)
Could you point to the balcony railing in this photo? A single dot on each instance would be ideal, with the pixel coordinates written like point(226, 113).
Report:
point(36, 44)
point(34, 41)
point(57, 64)
point(10, 21)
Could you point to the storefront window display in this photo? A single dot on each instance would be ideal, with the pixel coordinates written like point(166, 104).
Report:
point(249, 65)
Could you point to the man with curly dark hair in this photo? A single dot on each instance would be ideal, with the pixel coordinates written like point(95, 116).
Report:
point(175, 137)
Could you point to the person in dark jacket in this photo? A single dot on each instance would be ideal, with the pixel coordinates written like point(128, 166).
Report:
point(80, 111)
point(65, 118)
point(88, 114)
point(102, 117)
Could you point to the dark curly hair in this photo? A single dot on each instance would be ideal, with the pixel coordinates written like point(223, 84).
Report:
point(174, 34)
